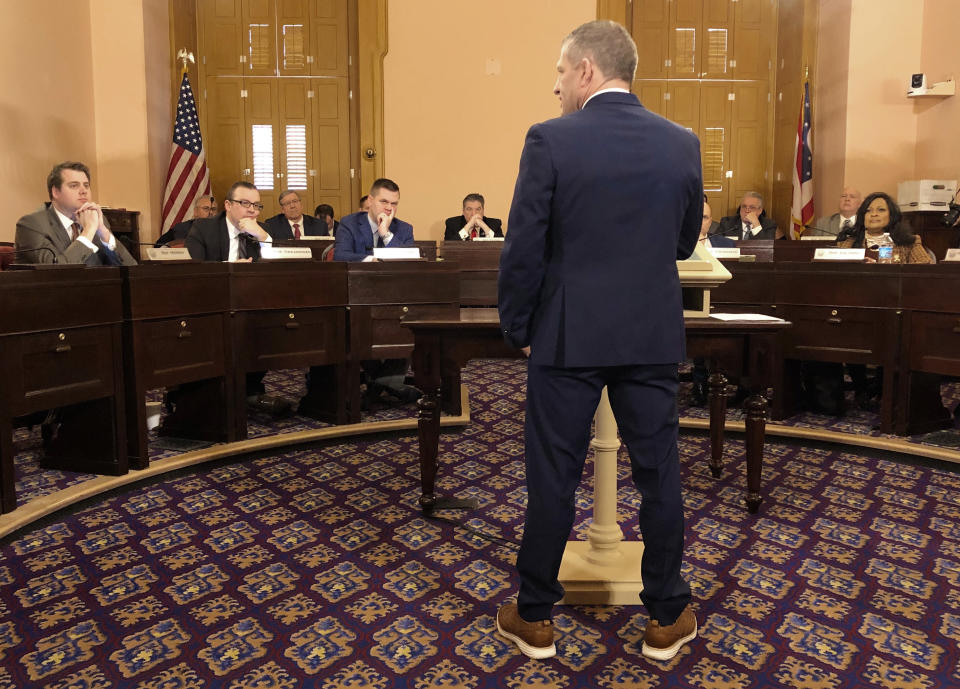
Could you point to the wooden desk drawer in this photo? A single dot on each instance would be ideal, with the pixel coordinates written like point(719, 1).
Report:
point(934, 341)
point(290, 339)
point(59, 367)
point(389, 339)
point(852, 335)
point(177, 350)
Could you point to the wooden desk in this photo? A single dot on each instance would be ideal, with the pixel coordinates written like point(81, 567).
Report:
point(289, 314)
point(380, 295)
point(479, 269)
point(445, 345)
point(930, 345)
point(126, 226)
point(60, 334)
point(176, 332)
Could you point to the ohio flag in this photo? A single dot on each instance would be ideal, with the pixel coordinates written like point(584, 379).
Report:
point(803, 169)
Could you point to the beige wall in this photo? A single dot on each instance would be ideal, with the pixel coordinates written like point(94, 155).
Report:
point(94, 87)
point(867, 132)
point(453, 127)
point(46, 100)
point(881, 134)
point(938, 143)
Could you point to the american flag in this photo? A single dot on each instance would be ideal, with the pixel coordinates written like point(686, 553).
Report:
point(187, 175)
point(803, 169)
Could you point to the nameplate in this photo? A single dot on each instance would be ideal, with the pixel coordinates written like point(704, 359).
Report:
point(487, 239)
point(817, 238)
point(953, 256)
point(834, 254)
point(272, 253)
point(725, 251)
point(386, 253)
point(316, 238)
point(166, 253)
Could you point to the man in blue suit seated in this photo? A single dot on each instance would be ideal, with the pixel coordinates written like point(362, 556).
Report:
point(357, 235)
point(608, 197)
point(360, 232)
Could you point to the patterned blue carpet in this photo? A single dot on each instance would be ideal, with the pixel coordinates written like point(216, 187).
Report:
point(315, 568)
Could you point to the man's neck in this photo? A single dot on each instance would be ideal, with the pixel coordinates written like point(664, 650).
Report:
point(299, 220)
point(605, 85)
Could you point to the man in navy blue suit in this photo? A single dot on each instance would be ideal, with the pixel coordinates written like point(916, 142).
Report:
point(608, 197)
point(357, 236)
point(360, 232)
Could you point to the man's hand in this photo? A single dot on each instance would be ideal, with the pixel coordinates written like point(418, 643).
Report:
point(90, 218)
point(526, 351)
point(753, 219)
point(383, 224)
point(250, 226)
point(482, 228)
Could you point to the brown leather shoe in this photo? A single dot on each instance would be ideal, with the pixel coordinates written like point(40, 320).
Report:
point(662, 643)
point(534, 639)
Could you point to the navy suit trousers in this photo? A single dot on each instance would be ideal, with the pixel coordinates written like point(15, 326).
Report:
point(561, 403)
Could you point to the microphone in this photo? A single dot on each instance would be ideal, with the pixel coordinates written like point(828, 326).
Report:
point(24, 252)
point(824, 231)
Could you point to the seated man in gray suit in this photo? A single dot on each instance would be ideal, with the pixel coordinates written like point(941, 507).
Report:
point(751, 221)
point(71, 228)
point(845, 217)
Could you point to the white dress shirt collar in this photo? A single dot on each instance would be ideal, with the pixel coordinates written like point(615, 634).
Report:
point(616, 89)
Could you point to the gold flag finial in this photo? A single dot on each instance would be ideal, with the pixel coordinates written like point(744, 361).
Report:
point(184, 58)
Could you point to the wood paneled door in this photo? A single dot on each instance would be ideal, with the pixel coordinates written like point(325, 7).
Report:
point(276, 100)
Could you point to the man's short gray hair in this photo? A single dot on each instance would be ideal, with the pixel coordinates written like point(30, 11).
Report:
point(607, 44)
point(753, 195)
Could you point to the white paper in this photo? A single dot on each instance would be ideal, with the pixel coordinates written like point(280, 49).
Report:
point(745, 317)
point(953, 255)
point(385, 253)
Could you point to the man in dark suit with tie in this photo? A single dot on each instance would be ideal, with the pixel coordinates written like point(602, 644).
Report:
point(71, 229)
point(607, 199)
point(472, 223)
point(360, 232)
point(235, 236)
point(751, 222)
point(292, 223)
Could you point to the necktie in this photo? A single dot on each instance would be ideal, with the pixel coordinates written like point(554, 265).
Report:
point(296, 230)
point(75, 230)
point(473, 233)
point(846, 225)
point(379, 240)
point(747, 234)
point(241, 246)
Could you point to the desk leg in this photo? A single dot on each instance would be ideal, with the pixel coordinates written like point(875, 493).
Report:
point(8, 496)
point(426, 367)
point(756, 423)
point(718, 416)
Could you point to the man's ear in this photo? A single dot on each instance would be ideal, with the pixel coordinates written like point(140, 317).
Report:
point(586, 75)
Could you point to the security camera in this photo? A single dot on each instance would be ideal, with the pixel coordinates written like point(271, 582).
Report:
point(918, 84)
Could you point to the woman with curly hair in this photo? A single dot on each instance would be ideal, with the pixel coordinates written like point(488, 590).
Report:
point(880, 215)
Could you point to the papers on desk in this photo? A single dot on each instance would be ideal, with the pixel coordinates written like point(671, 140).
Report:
point(745, 317)
point(953, 255)
point(386, 253)
point(487, 239)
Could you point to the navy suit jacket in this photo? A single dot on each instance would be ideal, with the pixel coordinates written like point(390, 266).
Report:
point(607, 200)
point(278, 227)
point(209, 240)
point(355, 238)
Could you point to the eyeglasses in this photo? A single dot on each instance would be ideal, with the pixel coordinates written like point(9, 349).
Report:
point(751, 208)
point(292, 202)
point(247, 204)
